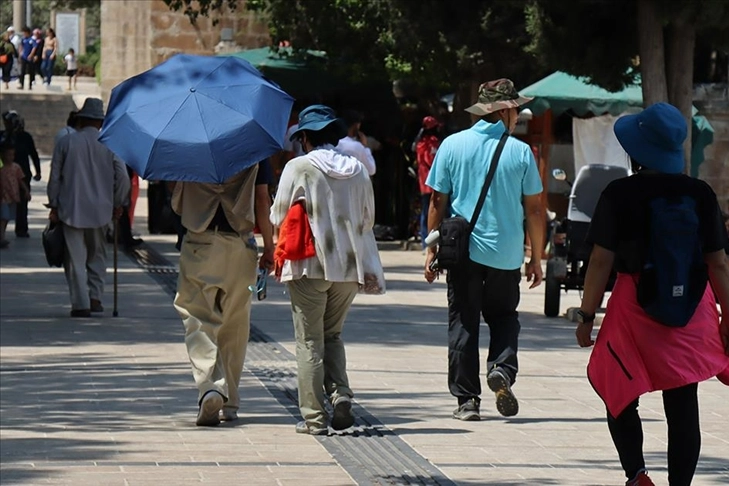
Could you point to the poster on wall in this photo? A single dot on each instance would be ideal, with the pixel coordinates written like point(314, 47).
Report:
point(68, 31)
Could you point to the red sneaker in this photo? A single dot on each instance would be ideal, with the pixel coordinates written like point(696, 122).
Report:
point(641, 479)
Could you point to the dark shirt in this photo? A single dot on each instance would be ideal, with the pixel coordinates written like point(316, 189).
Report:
point(621, 220)
point(25, 151)
point(265, 173)
point(264, 176)
point(39, 45)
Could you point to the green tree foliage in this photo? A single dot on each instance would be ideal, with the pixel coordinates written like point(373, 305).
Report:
point(194, 8)
point(41, 15)
point(598, 39)
point(595, 39)
point(435, 42)
point(610, 41)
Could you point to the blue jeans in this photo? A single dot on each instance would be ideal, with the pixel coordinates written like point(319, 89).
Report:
point(47, 66)
point(424, 206)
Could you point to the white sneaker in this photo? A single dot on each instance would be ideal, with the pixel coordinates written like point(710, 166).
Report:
point(209, 413)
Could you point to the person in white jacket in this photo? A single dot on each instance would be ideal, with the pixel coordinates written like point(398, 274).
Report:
point(356, 143)
point(339, 203)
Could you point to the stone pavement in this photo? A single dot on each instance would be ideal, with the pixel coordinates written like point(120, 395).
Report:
point(108, 401)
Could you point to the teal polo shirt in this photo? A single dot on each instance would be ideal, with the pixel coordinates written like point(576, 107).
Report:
point(459, 170)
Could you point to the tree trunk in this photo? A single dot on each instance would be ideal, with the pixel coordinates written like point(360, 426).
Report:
point(651, 50)
point(680, 75)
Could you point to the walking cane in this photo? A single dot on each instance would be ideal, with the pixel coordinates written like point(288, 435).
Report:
point(116, 265)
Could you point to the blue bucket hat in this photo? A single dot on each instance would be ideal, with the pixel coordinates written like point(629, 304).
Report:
point(318, 117)
point(654, 137)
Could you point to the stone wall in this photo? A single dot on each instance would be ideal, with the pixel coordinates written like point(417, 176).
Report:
point(139, 34)
point(125, 41)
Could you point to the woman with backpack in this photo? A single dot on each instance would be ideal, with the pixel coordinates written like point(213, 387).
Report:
point(663, 233)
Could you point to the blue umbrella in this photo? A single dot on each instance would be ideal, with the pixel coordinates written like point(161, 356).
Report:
point(196, 118)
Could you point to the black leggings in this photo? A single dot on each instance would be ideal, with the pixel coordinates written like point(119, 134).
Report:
point(684, 435)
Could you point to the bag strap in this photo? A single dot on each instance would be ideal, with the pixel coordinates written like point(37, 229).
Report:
point(487, 183)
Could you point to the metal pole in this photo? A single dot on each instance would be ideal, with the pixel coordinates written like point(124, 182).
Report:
point(115, 313)
point(29, 13)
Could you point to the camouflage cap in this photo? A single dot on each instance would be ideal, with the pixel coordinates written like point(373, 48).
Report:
point(497, 95)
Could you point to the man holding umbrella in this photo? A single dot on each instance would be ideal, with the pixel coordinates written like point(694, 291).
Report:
point(217, 265)
point(87, 187)
point(208, 127)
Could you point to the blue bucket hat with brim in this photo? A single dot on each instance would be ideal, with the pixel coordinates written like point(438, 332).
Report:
point(654, 137)
point(317, 117)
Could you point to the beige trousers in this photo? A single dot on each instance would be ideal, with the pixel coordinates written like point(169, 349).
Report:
point(84, 265)
point(214, 303)
point(319, 308)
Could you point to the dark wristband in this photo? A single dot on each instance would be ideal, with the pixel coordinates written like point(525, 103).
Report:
point(583, 318)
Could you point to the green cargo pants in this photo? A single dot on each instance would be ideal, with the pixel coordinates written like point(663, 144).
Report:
point(319, 308)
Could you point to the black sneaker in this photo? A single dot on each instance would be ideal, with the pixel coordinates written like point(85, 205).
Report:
point(506, 402)
point(468, 411)
point(343, 417)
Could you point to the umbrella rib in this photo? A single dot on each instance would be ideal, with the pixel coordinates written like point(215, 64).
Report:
point(212, 157)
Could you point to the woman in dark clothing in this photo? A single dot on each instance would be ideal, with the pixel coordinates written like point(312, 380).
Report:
point(640, 347)
point(25, 151)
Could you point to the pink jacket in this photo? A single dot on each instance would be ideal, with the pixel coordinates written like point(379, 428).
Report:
point(634, 354)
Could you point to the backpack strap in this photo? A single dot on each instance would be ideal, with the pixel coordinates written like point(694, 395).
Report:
point(487, 183)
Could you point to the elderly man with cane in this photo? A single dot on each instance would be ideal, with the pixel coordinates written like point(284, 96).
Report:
point(88, 187)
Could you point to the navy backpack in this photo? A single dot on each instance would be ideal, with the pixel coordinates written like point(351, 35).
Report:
point(674, 275)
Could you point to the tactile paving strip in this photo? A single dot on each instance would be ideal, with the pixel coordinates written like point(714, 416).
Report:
point(369, 452)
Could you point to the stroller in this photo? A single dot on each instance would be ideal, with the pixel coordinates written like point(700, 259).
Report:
point(569, 253)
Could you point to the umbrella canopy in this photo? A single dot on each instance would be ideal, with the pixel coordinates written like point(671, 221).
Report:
point(196, 118)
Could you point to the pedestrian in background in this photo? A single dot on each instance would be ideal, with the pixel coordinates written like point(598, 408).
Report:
point(8, 53)
point(636, 351)
point(488, 283)
point(87, 188)
point(355, 142)
point(28, 47)
point(71, 68)
point(426, 146)
point(13, 188)
point(25, 152)
point(39, 50)
point(71, 124)
point(218, 264)
point(326, 254)
point(14, 38)
point(50, 50)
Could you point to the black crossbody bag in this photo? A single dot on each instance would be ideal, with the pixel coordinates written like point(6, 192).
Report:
point(455, 232)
